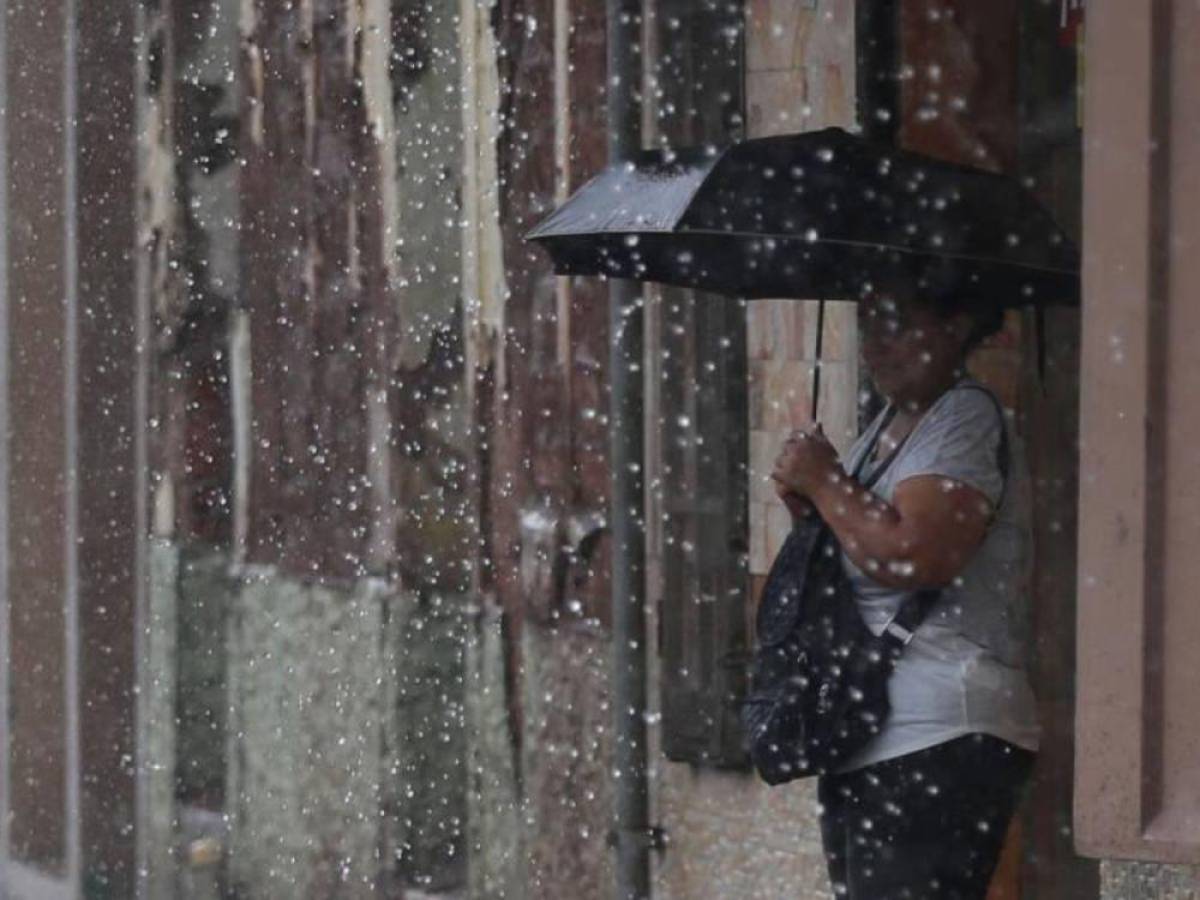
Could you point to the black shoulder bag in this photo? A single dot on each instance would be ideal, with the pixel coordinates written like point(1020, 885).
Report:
point(818, 687)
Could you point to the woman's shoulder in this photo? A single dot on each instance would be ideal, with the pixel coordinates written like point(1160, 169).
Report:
point(969, 404)
point(961, 438)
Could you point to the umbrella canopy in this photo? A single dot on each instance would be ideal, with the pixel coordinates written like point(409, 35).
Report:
point(822, 214)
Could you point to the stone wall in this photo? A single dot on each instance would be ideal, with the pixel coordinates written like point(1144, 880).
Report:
point(157, 725)
point(729, 835)
point(425, 748)
point(567, 746)
point(345, 752)
point(305, 749)
point(495, 838)
point(1121, 880)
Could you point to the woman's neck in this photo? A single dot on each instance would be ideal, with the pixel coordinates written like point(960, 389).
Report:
point(913, 407)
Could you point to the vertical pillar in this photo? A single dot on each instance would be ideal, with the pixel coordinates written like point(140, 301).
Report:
point(36, 429)
point(71, 456)
point(109, 382)
point(628, 492)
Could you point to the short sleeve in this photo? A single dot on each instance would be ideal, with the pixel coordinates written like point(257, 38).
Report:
point(960, 440)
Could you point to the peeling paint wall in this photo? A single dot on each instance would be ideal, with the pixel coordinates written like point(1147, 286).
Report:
point(425, 91)
point(536, 360)
point(188, 235)
point(483, 276)
point(341, 706)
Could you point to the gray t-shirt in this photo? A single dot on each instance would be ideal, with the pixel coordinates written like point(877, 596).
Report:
point(964, 671)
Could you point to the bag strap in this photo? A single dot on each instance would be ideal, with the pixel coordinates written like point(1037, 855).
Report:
point(1003, 460)
point(878, 471)
point(902, 627)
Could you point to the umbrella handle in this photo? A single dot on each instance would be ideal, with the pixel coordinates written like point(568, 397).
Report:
point(816, 383)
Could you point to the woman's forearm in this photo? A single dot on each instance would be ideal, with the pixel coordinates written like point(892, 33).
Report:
point(871, 532)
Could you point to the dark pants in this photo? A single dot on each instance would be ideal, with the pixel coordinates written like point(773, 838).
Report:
point(926, 826)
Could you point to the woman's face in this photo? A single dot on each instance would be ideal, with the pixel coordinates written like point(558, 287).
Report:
point(911, 353)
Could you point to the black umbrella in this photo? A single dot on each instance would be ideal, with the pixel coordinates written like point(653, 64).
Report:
point(825, 214)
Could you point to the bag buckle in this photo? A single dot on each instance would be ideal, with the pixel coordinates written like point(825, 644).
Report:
point(899, 632)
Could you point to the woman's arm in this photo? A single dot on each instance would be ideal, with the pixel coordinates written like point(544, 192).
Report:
point(923, 539)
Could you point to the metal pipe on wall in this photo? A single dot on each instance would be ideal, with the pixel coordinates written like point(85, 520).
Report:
point(632, 826)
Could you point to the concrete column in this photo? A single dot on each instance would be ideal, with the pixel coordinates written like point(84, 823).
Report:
point(73, 448)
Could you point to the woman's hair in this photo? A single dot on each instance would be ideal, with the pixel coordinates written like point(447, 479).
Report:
point(944, 288)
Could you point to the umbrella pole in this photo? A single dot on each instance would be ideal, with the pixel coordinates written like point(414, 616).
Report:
point(816, 383)
point(631, 833)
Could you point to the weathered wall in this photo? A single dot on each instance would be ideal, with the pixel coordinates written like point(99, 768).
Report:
point(188, 209)
point(536, 357)
point(203, 589)
point(546, 768)
point(326, 721)
point(202, 594)
point(539, 810)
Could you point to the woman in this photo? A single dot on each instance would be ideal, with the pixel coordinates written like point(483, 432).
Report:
point(922, 811)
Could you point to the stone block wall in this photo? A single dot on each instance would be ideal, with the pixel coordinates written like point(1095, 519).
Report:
point(729, 835)
point(567, 745)
point(305, 750)
point(539, 828)
point(1122, 880)
point(495, 837)
point(345, 752)
point(425, 747)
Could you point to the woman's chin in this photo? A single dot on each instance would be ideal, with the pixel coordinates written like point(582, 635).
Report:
point(885, 387)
